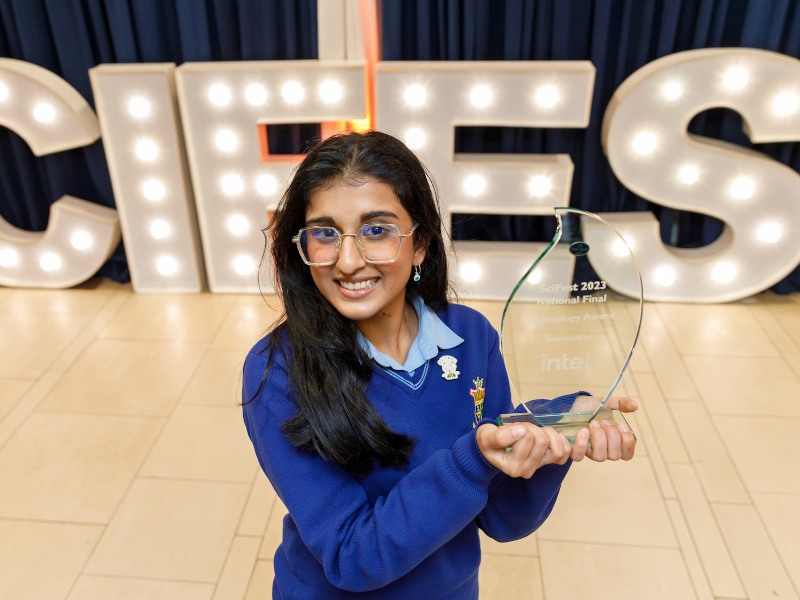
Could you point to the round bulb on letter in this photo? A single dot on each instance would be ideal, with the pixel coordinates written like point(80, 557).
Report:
point(146, 150)
point(44, 112)
point(50, 261)
point(330, 91)
point(474, 185)
point(166, 265)
point(735, 79)
point(244, 265)
point(644, 143)
point(785, 104)
point(266, 185)
point(232, 184)
point(769, 232)
point(153, 190)
point(415, 95)
point(540, 186)
point(139, 107)
point(255, 94)
point(664, 276)
point(9, 257)
point(414, 138)
point(293, 92)
point(220, 95)
point(547, 96)
point(81, 240)
point(742, 188)
point(226, 140)
point(238, 225)
point(470, 271)
point(481, 96)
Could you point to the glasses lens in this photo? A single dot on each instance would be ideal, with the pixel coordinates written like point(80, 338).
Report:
point(379, 241)
point(319, 244)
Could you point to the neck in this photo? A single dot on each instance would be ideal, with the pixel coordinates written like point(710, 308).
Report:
point(393, 333)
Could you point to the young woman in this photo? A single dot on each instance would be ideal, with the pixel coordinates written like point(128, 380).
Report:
point(371, 404)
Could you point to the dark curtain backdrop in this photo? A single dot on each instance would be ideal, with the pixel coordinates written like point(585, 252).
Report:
point(618, 36)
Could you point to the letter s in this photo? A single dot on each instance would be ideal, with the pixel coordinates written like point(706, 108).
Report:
point(645, 138)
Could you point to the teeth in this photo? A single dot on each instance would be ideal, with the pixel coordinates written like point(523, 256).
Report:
point(358, 285)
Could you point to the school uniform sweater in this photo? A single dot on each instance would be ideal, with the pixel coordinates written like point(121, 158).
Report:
point(399, 532)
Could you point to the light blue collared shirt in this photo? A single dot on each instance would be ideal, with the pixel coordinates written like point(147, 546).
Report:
point(432, 335)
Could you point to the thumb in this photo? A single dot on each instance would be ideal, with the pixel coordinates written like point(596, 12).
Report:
point(505, 436)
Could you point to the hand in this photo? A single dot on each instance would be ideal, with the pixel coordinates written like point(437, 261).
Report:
point(518, 450)
point(609, 441)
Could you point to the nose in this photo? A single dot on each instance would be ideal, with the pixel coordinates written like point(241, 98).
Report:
point(350, 259)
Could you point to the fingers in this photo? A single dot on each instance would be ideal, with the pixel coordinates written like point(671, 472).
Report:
point(610, 441)
point(581, 445)
point(519, 450)
point(623, 404)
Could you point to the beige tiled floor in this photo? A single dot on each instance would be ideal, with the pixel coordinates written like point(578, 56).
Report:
point(126, 473)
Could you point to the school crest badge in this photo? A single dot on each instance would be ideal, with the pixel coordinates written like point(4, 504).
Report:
point(478, 395)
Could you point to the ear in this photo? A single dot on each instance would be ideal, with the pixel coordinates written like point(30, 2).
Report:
point(419, 254)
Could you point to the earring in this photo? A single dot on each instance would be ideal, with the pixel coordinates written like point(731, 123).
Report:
point(417, 276)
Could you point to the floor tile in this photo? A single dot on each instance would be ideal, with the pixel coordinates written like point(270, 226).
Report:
point(756, 560)
point(745, 386)
point(74, 301)
point(164, 529)
point(64, 467)
point(11, 390)
point(238, 568)
point(717, 562)
point(716, 329)
point(203, 442)
point(259, 505)
point(247, 321)
point(30, 342)
point(260, 586)
point(782, 519)
point(713, 464)
point(765, 451)
point(179, 317)
point(217, 380)
point(611, 502)
point(42, 560)
point(673, 378)
point(664, 427)
point(272, 536)
point(93, 587)
point(691, 558)
point(126, 377)
point(505, 577)
point(607, 572)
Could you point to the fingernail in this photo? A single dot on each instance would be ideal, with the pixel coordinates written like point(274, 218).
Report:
point(594, 424)
point(518, 432)
point(623, 427)
point(634, 405)
point(583, 433)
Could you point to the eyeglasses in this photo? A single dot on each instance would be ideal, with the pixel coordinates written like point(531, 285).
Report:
point(377, 243)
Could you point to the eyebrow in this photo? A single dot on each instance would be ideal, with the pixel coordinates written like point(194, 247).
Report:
point(365, 217)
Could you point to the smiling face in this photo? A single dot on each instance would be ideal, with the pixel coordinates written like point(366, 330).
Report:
point(360, 291)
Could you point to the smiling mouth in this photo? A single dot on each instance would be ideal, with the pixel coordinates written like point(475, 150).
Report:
point(359, 285)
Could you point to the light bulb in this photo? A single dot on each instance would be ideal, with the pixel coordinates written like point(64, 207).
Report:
point(255, 94)
point(785, 104)
point(81, 240)
point(540, 186)
point(724, 272)
point(220, 95)
point(414, 138)
point(4, 93)
point(226, 140)
point(153, 190)
point(330, 91)
point(536, 276)
point(293, 92)
point(735, 79)
point(474, 185)
point(664, 276)
point(238, 225)
point(160, 229)
point(415, 95)
point(244, 265)
point(232, 184)
point(146, 150)
point(266, 185)
point(166, 265)
point(620, 249)
point(644, 143)
point(44, 112)
point(547, 96)
point(688, 174)
point(742, 188)
point(672, 90)
point(9, 257)
point(769, 232)
point(50, 261)
point(470, 271)
point(481, 96)
point(139, 107)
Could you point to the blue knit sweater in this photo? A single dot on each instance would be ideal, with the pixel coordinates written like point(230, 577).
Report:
point(409, 532)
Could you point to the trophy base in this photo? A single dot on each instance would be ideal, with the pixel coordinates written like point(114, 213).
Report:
point(567, 423)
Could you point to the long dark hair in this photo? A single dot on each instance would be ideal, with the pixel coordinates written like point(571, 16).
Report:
point(328, 371)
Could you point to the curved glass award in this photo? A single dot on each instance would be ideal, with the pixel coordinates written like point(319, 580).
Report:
point(567, 327)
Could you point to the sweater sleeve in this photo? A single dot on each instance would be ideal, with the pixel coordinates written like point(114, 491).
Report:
point(516, 507)
point(361, 545)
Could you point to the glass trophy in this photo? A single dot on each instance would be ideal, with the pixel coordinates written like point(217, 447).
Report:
point(571, 324)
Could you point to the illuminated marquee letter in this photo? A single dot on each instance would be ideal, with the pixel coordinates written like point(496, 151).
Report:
point(146, 158)
point(51, 116)
point(646, 140)
point(423, 102)
point(235, 180)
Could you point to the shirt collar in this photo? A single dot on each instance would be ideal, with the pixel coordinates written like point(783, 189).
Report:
point(432, 335)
